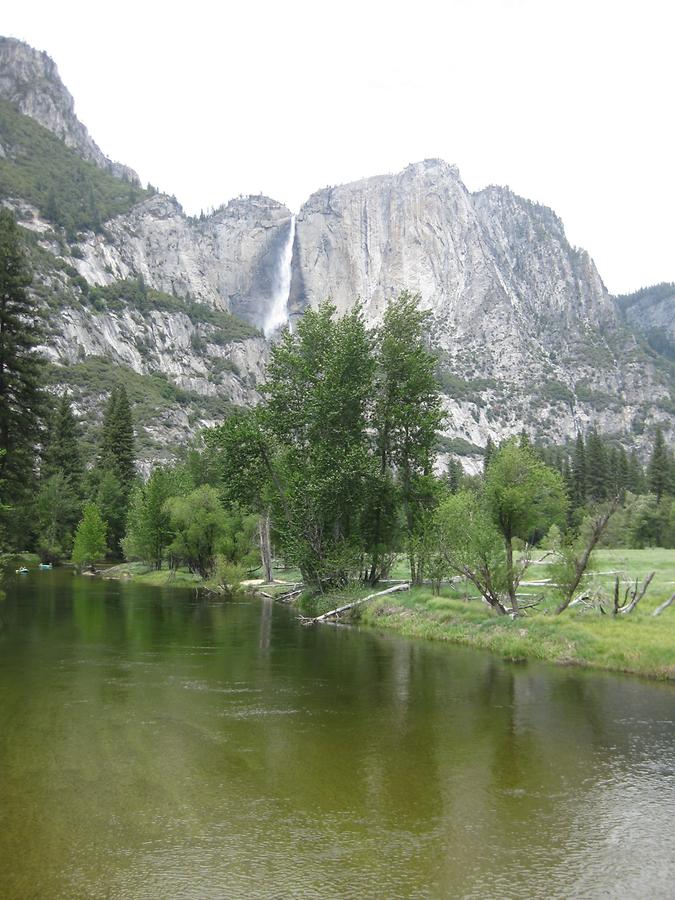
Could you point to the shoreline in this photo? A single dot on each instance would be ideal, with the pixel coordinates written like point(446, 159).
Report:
point(643, 646)
point(637, 645)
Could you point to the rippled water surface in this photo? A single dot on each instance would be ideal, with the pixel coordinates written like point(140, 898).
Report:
point(155, 745)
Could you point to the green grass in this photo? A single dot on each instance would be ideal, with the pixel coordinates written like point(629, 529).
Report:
point(637, 643)
point(68, 191)
point(143, 574)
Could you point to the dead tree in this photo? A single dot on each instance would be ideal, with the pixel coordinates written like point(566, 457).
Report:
point(577, 564)
point(635, 593)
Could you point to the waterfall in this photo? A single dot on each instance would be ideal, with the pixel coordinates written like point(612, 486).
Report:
point(277, 316)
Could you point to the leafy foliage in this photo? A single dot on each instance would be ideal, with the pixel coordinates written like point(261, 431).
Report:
point(90, 538)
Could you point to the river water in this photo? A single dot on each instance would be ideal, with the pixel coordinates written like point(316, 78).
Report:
point(158, 745)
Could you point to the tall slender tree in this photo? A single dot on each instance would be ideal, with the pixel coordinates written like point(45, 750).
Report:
point(407, 414)
point(21, 396)
point(59, 500)
point(62, 452)
point(597, 476)
point(114, 476)
point(658, 471)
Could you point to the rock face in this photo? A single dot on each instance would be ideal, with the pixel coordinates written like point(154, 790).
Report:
point(30, 80)
point(228, 259)
point(525, 327)
point(470, 257)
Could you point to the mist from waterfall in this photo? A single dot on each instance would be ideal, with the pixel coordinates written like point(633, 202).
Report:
point(278, 311)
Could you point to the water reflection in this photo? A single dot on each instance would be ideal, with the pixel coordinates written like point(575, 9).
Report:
point(155, 744)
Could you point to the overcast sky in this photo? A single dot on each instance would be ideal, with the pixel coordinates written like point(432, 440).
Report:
point(570, 103)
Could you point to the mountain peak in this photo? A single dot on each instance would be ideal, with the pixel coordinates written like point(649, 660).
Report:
point(30, 81)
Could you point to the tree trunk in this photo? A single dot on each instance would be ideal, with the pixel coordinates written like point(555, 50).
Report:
point(509, 574)
point(265, 545)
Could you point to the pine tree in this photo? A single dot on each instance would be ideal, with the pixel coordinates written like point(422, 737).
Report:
point(596, 467)
point(488, 453)
point(454, 475)
point(123, 443)
point(658, 471)
point(62, 452)
point(117, 450)
point(636, 482)
point(579, 473)
point(21, 396)
point(115, 472)
point(621, 474)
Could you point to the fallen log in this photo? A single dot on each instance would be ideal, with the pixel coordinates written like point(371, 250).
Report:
point(288, 596)
point(665, 605)
point(340, 609)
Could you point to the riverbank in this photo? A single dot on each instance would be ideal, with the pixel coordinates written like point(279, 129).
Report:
point(141, 574)
point(638, 643)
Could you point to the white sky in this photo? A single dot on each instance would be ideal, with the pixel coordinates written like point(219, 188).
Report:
point(570, 103)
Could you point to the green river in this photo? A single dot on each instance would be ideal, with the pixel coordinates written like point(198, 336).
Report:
point(156, 744)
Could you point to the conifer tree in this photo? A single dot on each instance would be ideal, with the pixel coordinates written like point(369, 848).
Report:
point(454, 475)
point(635, 481)
point(115, 471)
point(579, 473)
point(62, 452)
point(488, 453)
point(596, 467)
point(123, 443)
point(21, 396)
point(658, 471)
point(59, 500)
point(117, 451)
point(621, 474)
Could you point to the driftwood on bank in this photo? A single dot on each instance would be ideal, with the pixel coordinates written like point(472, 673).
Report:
point(287, 596)
point(347, 606)
point(665, 605)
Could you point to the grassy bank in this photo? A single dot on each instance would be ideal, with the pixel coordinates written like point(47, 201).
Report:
point(142, 574)
point(637, 643)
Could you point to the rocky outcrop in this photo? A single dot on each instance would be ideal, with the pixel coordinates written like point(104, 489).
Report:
point(30, 81)
point(228, 259)
point(526, 330)
point(651, 309)
point(466, 254)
